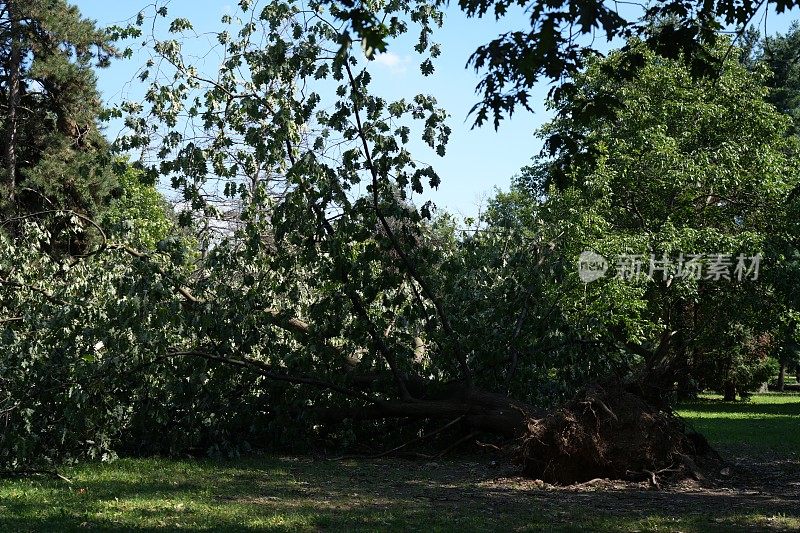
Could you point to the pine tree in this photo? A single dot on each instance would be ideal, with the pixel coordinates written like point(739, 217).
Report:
point(54, 155)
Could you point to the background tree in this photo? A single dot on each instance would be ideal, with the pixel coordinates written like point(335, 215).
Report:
point(139, 212)
point(681, 166)
point(781, 55)
point(54, 155)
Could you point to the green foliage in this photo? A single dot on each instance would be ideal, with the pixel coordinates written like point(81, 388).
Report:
point(506, 282)
point(321, 289)
point(59, 155)
point(140, 212)
point(246, 341)
point(548, 46)
point(682, 166)
point(88, 363)
point(271, 149)
point(739, 364)
point(779, 54)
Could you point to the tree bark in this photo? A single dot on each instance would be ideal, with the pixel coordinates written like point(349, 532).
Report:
point(730, 391)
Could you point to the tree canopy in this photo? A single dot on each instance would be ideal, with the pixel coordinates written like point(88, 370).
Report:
point(307, 297)
point(54, 153)
point(556, 38)
point(683, 170)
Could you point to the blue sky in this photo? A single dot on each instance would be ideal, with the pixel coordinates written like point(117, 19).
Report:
point(477, 161)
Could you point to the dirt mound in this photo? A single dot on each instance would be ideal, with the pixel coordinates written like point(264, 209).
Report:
point(610, 434)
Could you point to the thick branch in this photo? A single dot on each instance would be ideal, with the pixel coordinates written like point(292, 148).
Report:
point(15, 60)
point(407, 263)
point(480, 412)
point(355, 299)
point(268, 371)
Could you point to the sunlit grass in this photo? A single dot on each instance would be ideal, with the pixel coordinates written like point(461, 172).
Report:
point(766, 422)
point(244, 495)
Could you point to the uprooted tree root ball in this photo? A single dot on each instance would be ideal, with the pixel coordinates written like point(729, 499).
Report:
point(611, 434)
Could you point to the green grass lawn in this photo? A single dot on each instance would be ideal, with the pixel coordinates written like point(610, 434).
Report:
point(280, 494)
point(458, 494)
point(767, 422)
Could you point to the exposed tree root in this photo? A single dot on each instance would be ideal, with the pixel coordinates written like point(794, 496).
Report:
point(610, 434)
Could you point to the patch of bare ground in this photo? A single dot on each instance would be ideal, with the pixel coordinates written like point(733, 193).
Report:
point(749, 492)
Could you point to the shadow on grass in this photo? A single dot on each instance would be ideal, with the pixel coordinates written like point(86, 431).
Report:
point(289, 495)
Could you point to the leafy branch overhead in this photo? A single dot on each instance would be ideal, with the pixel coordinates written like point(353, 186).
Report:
point(556, 38)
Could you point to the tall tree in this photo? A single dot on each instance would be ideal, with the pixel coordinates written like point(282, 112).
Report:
point(54, 155)
point(675, 168)
point(780, 55)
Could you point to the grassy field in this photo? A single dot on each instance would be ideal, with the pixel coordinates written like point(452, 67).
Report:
point(768, 422)
point(459, 494)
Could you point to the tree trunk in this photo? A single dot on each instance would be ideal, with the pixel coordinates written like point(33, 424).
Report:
point(604, 431)
point(492, 413)
point(14, 66)
point(730, 391)
point(781, 377)
point(686, 387)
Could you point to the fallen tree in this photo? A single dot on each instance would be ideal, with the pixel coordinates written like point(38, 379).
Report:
point(591, 436)
point(331, 305)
